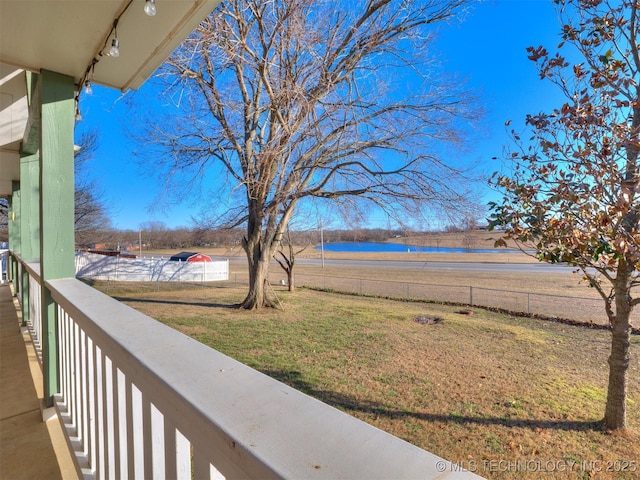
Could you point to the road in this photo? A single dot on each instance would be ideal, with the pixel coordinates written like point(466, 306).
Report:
point(460, 266)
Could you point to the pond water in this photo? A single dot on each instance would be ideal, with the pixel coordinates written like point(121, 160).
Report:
point(375, 247)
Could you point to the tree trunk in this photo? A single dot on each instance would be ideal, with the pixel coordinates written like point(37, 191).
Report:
point(290, 279)
point(615, 416)
point(257, 296)
point(616, 409)
point(258, 258)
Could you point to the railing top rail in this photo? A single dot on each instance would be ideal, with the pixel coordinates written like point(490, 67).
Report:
point(251, 424)
point(34, 269)
point(32, 266)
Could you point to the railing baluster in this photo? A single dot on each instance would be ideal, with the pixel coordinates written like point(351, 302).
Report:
point(147, 438)
point(100, 435)
point(91, 403)
point(182, 456)
point(135, 436)
point(157, 442)
point(110, 409)
point(76, 400)
point(68, 399)
point(123, 421)
point(33, 323)
point(63, 361)
point(85, 403)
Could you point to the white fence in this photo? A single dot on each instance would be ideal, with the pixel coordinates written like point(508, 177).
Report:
point(148, 269)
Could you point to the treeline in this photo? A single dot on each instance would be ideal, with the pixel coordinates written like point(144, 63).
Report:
point(155, 235)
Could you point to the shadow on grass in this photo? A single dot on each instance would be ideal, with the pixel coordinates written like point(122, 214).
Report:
point(350, 404)
point(176, 302)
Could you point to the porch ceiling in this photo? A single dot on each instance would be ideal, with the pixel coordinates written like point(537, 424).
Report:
point(65, 36)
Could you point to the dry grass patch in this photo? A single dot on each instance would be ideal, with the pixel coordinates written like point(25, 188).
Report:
point(548, 283)
point(471, 388)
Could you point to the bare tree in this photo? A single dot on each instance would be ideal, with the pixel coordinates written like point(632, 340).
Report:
point(293, 100)
point(90, 211)
point(287, 261)
point(155, 234)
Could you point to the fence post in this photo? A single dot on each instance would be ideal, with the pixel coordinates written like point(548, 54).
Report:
point(471, 295)
point(528, 303)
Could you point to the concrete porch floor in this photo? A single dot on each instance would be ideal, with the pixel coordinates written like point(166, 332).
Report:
point(29, 447)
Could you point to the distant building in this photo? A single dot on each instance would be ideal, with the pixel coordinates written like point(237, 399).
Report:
point(190, 257)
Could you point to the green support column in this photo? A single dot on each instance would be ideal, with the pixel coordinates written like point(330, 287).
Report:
point(29, 220)
point(57, 245)
point(30, 206)
point(14, 233)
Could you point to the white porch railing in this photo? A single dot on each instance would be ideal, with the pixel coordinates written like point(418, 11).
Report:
point(141, 400)
point(4, 262)
point(34, 322)
point(33, 318)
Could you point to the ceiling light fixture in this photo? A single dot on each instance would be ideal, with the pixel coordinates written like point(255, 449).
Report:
point(114, 51)
point(150, 7)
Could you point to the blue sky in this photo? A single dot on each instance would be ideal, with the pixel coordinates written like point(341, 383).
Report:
point(487, 49)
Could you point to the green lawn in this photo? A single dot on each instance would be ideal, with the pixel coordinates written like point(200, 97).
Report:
point(476, 388)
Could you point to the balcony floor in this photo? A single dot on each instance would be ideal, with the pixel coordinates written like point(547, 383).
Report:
point(29, 447)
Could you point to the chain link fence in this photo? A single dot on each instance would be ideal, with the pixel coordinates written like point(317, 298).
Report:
point(589, 310)
point(585, 310)
point(577, 309)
